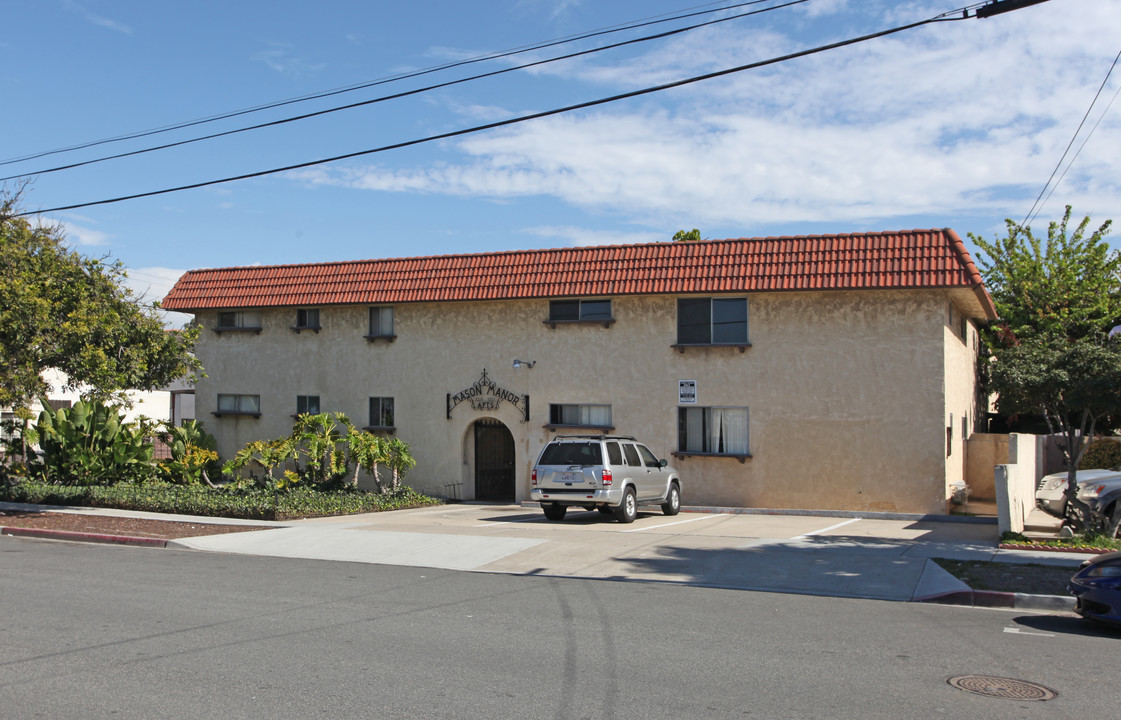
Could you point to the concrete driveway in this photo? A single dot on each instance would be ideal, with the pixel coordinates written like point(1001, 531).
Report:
point(836, 556)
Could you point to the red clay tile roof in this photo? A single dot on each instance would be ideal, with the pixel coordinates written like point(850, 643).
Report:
point(905, 259)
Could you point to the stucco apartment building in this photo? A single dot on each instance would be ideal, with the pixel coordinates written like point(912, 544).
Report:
point(821, 372)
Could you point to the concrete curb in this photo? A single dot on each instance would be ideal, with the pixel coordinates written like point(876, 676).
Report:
point(859, 514)
point(83, 537)
point(994, 599)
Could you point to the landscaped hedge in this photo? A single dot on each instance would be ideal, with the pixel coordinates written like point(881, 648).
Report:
point(209, 502)
point(1100, 454)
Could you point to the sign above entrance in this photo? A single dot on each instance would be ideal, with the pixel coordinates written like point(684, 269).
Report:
point(486, 395)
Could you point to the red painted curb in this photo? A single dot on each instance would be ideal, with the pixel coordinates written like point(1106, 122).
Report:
point(83, 537)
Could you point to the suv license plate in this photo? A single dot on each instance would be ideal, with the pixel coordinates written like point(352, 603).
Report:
point(572, 477)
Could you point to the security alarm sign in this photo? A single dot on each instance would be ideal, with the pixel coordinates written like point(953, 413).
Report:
point(686, 392)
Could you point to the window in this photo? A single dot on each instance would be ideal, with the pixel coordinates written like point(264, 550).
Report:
point(307, 319)
point(572, 453)
point(598, 416)
point(239, 405)
point(648, 458)
point(249, 320)
point(381, 412)
point(381, 321)
point(712, 431)
point(614, 453)
point(712, 321)
point(631, 455)
point(573, 311)
point(307, 404)
point(9, 423)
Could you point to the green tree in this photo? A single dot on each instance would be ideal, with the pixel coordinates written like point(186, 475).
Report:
point(1050, 353)
point(1067, 286)
point(693, 235)
point(62, 310)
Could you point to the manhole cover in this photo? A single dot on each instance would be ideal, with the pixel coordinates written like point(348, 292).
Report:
point(999, 687)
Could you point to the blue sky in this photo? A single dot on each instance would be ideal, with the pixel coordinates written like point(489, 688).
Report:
point(955, 124)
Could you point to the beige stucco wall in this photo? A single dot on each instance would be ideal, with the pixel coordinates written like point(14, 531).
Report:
point(962, 408)
point(846, 390)
point(983, 453)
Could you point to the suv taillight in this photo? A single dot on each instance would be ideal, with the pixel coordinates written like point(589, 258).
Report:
point(606, 477)
point(533, 477)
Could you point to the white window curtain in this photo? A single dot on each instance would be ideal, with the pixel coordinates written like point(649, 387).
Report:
point(733, 424)
point(599, 415)
point(694, 430)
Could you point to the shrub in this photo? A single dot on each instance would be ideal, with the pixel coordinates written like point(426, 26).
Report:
point(91, 444)
point(1101, 453)
point(232, 501)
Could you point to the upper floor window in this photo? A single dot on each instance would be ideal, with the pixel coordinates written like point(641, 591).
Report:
point(381, 323)
point(307, 404)
point(713, 431)
point(246, 320)
point(307, 319)
point(712, 321)
point(239, 405)
point(577, 311)
point(597, 416)
point(381, 413)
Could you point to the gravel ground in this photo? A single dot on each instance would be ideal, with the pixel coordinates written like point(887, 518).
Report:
point(1009, 577)
point(111, 525)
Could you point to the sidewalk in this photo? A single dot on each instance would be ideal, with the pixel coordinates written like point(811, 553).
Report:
point(834, 554)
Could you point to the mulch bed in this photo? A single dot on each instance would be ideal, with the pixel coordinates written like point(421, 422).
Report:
point(1053, 548)
point(114, 525)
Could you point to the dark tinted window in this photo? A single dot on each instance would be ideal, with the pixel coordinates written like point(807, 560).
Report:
point(614, 454)
point(647, 456)
point(729, 320)
point(707, 321)
point(564, 309)
point(572, 453)
point(632, 456)
point(595, 310)
point(693, 321)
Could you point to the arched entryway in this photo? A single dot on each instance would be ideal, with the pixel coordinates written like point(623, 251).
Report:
point(494, 461)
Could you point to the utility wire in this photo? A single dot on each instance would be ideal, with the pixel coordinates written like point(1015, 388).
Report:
point(407, 93)
point(945, 17)
point(654, 20)
point(1040, 200)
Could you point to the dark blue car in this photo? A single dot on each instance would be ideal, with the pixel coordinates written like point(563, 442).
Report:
point(1097, 587)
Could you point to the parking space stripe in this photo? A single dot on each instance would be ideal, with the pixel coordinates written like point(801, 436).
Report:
point(825, 530)
point(679, 522)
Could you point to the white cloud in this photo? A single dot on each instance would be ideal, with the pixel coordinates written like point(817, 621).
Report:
point(84, 235)
point(280, 58)
point(968, 117)
point(97, 19)
point(577, 236)
point(152, 283)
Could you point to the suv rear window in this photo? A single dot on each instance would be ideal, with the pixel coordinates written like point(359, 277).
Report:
point(574, 453)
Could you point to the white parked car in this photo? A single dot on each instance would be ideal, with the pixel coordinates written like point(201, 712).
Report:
point(1050, 494)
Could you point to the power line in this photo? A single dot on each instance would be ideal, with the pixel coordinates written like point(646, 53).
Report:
point(1039, 200)
point(945, 17)
point(407, 93)
point(654, 20)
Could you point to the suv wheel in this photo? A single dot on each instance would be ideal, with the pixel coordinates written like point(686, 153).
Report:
point(628, 509)
point(554, 511)
point(672, 505)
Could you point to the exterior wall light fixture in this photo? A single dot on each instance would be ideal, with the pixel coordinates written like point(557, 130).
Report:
point(525, 363)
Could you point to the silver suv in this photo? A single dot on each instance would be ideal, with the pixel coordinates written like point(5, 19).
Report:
point(611, 473)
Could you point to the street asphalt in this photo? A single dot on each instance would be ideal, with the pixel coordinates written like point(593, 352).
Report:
point(878, 556)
